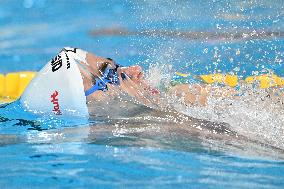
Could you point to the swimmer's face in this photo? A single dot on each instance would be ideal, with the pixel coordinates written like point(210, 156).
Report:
point(133, 73)
point(130, 78)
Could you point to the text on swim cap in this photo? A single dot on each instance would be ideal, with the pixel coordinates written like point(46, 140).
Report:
point(56, 63)
point(54, 100)
point(67, 50)
point(68, 62)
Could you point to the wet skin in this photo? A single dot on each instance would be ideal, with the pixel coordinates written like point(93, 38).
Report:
point(133, 84)
point(135, 100)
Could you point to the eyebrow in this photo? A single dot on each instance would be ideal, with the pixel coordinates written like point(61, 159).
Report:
point(103, 66)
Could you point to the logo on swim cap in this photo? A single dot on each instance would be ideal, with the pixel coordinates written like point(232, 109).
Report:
point(56, 63)
point(54, 100)
point(58, 87)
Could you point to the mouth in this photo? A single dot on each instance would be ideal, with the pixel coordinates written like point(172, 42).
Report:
point(139, 75)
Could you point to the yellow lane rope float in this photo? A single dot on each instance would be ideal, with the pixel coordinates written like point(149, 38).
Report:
point(265, 81)
point(12, 85)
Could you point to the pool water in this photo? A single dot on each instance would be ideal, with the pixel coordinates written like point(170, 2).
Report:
point(239, 37)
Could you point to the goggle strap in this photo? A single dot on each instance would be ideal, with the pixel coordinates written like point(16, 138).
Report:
point(91, 90)
point(97, 87)
point(102, 80)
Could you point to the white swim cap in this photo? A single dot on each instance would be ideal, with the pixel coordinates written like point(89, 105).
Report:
point(58, 87)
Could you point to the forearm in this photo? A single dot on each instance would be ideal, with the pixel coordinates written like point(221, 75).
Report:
point(197, 94)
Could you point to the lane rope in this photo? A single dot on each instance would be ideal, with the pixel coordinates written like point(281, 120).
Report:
point(12, 85)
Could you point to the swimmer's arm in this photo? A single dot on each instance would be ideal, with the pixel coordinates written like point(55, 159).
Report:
point(196, 94)
point(190, 94)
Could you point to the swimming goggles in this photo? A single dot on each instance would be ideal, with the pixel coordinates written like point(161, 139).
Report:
point(109, 75)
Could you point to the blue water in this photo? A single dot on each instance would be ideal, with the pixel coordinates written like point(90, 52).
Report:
point(38, 153)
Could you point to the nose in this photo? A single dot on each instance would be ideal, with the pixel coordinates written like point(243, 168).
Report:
point(135, 69)
point(134, 72)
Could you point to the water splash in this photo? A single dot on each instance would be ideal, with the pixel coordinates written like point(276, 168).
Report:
point(256, 114)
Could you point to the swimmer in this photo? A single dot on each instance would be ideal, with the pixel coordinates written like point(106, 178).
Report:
point(76, 83)
point(79, 83)
point(75, 79)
